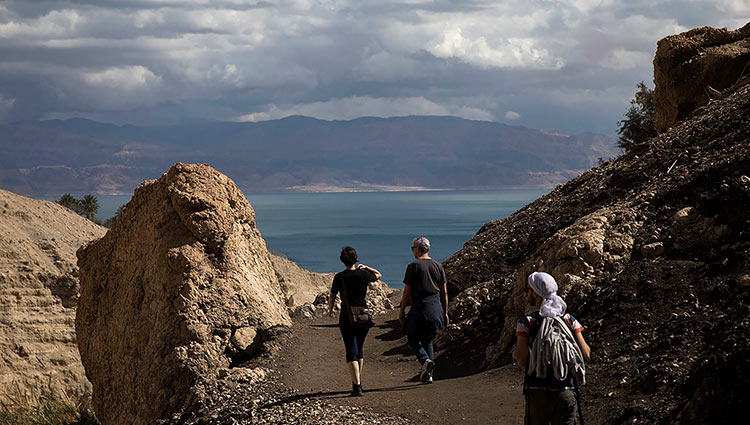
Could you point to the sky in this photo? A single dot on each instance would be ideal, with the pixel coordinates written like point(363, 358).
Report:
point(568, 65)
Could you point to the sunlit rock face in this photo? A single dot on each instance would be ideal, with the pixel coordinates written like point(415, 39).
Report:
point(180, 287)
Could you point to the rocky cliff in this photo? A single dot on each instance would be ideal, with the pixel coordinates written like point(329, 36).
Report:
point(38, 294)
point(692, 68)
point(180, 288)
point(651, 252)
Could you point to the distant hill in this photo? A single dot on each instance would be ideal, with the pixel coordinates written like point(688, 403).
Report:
point(79, 155)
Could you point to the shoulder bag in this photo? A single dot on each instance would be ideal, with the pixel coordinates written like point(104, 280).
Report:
point(356, 316)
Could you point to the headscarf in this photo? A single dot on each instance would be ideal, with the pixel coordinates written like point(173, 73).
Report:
point(545, 286)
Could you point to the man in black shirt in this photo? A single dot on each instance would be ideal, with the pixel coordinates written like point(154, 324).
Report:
point(426, 291)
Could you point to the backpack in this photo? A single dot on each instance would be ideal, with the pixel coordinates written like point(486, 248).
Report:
point(555, 353)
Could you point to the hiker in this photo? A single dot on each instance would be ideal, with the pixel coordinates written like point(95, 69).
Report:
point(425, 289)
point(352, 284)
point(550, 387)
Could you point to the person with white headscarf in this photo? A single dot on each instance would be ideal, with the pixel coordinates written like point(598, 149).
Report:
point(548, 398)
point(544, 285)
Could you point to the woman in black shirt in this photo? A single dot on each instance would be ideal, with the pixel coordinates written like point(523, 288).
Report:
point(354, 280)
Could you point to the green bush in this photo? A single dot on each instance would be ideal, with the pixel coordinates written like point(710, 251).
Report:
point(639, 125)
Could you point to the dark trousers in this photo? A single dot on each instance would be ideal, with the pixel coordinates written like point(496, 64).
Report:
point(545, 407)
point(419, 340)
point(354, 340)
point(424, 320)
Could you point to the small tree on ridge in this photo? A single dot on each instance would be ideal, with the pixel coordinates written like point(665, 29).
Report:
point(638, 125)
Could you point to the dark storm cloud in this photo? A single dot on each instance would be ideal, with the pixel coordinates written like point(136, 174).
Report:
point(542, 63)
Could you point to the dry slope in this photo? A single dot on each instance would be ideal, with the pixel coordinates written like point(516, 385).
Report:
point(652, 252)
point(38, 294)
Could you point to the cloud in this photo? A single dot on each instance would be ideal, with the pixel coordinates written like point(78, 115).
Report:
point(510, 53)
point(55, 24)
point(621, 59)
point(6, 106)
point(131, 78)
point(512, 115)
point(6, 103)
point(354, 107)
point(183, 60)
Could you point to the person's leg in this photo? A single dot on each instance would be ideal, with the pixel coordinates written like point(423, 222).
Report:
point(429, 349)
point(430, 352)
point(565, 408)
point(350, 344)
point(354, 372)
point(414, 338)
point(360, 336)
point(540, 407)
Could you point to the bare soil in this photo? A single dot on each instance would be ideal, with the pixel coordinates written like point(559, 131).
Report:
point(311, 361)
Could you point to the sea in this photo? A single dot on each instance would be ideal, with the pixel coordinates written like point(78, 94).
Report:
point(311, 228)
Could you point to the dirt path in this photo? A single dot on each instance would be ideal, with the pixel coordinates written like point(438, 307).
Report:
point(312, 362)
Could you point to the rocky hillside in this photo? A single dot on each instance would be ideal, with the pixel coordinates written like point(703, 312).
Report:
point(651, 252)
point(38, 294)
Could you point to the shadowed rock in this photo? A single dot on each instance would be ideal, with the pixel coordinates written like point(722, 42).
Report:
point(180, 284)
point(650, 252)
point(694, 67)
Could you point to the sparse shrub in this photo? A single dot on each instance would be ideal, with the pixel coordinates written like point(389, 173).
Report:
point(639, 125)
point(47, 409)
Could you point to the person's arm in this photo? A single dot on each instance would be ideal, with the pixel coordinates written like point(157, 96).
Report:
point(332, 296)
point(405, 301)
point(521, 354)
point(371, 270)
point(444, 301)
point(585, 350)
point(331, 303)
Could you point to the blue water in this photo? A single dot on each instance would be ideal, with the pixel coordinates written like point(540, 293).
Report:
point(311, 228)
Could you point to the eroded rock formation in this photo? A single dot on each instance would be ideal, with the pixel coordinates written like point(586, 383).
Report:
point(300, 286)
point(180, 288)
point(651, 251)
point(38, 294)
point(693, 67)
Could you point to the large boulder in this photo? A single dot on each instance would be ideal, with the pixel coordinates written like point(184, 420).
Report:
point(180, 288)
point(693, 67)
point(38, 294)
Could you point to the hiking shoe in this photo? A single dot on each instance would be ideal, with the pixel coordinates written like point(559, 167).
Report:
point(426, 373)
point(357, 390)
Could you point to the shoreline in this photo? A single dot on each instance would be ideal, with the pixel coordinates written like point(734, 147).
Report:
point(310, 189)
point(386, 189)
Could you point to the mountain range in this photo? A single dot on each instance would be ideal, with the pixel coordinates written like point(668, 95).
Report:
point(295, 153)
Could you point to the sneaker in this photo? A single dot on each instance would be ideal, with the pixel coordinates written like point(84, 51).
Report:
point(426, 372)
point(428, 381)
